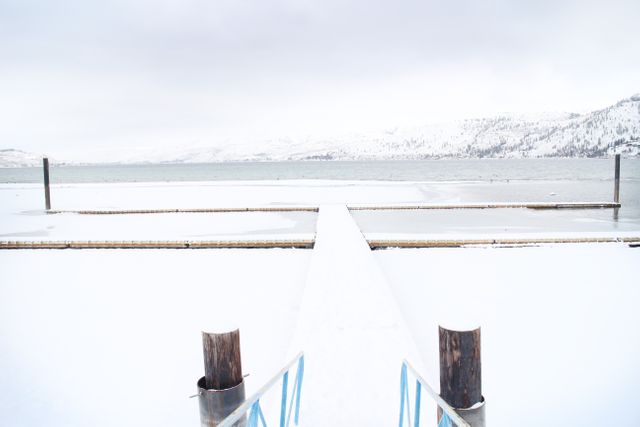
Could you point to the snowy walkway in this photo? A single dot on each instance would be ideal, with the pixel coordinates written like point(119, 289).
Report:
point(351, 331)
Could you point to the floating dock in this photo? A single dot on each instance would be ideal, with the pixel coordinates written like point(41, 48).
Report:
point(195, 210)
point(577, 205)
point(459, 243)
point(161, 244)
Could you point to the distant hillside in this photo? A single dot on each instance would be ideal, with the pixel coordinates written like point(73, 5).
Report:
point(597, 134)
point(11, 158)
point(615, 129)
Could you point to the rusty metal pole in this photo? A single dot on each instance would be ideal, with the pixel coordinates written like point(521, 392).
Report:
point(460, 374)
point(221, 390)
point(616, 185)
point(47, 194)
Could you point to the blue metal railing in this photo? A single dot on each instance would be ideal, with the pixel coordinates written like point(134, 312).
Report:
point(449, 416)
point(252, 405)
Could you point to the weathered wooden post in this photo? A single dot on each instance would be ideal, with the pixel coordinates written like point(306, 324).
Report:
point(616, 185)
point(47, 195)
point(221, 390)
point(460, 374)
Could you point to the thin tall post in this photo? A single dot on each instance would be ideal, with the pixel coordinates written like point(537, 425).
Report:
point(616, 185)
point(460, 374)
point(47, 194)
point(221, 390)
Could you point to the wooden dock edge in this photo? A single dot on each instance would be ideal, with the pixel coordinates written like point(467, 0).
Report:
point(196, 210)
point(580, 205)
point(205, 244)
point(460, 243)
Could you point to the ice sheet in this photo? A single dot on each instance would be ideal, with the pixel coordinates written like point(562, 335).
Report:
point(164, 226)
point(494, 222)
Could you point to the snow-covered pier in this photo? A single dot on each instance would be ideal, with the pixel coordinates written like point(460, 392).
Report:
point(351, 330)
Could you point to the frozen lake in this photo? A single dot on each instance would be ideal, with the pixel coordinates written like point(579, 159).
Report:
point(506, 221)
point(314, 183)
point(162, 226)
point(22, 216)
point(84, 333)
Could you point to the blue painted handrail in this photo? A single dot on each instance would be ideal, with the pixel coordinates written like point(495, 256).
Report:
point(252, 405)
point(449, 416)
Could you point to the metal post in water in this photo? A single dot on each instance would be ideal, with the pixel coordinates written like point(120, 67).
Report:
point(616, 187)
point(47, 195)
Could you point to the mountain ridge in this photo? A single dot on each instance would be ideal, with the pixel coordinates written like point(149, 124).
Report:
point(600, 133)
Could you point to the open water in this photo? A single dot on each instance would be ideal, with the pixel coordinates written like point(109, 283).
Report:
point(397, 170)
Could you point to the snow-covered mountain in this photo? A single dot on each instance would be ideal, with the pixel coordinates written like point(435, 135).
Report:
point(11, 158)
point(615, 129)
point(599, 133)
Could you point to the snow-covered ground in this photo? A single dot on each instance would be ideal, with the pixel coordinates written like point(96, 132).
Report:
point(112, 337)
point(560, 339)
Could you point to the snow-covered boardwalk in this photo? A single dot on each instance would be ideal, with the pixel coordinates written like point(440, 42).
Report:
point(350, 329)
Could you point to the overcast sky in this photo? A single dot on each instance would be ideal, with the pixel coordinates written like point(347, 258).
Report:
point(84, 74)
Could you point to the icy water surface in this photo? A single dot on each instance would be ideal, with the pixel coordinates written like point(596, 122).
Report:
point(164, 226)
point(508, 221)
point(427, 181)
point(398, 170)
point(495, 222)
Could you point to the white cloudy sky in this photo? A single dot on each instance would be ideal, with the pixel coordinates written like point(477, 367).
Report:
point(88, 74)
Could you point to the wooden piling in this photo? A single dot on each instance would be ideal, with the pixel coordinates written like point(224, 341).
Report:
point(222, 363)
point(460, 368)
point(47, 194)
point(221, 390)
point(616, 185)
point(460, 373)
